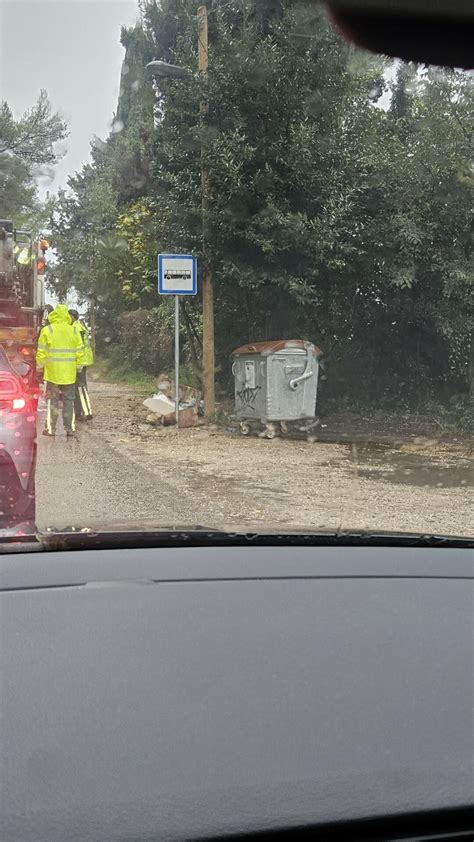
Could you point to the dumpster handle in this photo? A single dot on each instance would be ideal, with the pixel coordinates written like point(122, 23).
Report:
point(233, 368)
point(297, 380)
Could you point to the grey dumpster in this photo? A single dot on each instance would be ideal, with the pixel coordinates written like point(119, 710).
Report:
point(276, 385)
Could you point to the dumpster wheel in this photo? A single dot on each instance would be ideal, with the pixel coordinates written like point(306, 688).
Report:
point(244, 428)
point(269, 432)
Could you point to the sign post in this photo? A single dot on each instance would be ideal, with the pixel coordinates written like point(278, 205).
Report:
point(177, 275)
point(176, 357)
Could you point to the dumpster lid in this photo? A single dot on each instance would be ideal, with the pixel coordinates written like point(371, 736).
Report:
point(272, 346)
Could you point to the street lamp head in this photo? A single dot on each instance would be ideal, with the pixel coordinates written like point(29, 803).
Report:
point(166, 71)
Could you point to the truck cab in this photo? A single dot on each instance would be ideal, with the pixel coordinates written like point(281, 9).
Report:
point(21, 309)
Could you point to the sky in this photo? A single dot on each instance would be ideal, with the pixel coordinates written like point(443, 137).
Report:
point(72, 49)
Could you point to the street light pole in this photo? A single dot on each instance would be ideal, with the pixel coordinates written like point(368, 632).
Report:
point(208, 351)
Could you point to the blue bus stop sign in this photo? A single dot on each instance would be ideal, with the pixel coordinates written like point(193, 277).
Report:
point(177, 274)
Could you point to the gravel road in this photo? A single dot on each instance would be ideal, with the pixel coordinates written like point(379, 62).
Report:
point(121, 469)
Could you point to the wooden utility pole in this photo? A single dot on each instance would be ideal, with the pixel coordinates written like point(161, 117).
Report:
point(208, 353)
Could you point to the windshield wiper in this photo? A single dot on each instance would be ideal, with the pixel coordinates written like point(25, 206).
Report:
point(202, 536)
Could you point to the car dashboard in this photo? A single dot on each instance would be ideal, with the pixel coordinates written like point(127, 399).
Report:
point(206, 692)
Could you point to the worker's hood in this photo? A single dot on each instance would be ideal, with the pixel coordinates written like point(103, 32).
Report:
point(60, 314)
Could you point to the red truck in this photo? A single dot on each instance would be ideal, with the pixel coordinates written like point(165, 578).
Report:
point(22, 264)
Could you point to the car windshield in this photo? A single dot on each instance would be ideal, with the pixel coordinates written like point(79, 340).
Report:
point(235, 274)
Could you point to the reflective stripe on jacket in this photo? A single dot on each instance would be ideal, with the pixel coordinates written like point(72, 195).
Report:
point(82, 332)
point(60, 350)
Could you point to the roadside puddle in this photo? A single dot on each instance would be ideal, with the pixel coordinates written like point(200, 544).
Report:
point(388, 464)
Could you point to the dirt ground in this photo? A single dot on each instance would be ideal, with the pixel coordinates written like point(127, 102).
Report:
point(418, 484)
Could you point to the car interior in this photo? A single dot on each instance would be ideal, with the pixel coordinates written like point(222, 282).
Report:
point(186, 684)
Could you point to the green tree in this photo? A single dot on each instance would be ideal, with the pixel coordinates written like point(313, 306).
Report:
point(329, 217)
point(288, 108)
point(420, 314)
point(91, 247)
point(27, 146)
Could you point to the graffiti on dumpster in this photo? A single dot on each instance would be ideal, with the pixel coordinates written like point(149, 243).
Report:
point(248, 396)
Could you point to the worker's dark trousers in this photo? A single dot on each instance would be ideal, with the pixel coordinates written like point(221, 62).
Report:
point(83, 403)
point(54, 395)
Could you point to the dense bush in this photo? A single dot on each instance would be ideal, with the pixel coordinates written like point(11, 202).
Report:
point(146, 338)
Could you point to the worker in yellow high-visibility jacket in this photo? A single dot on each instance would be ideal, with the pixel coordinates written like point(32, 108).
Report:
point(59, 356)
point(83, 401)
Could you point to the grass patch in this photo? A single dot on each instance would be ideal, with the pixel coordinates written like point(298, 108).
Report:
point(455, 418)
point(120, 372)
